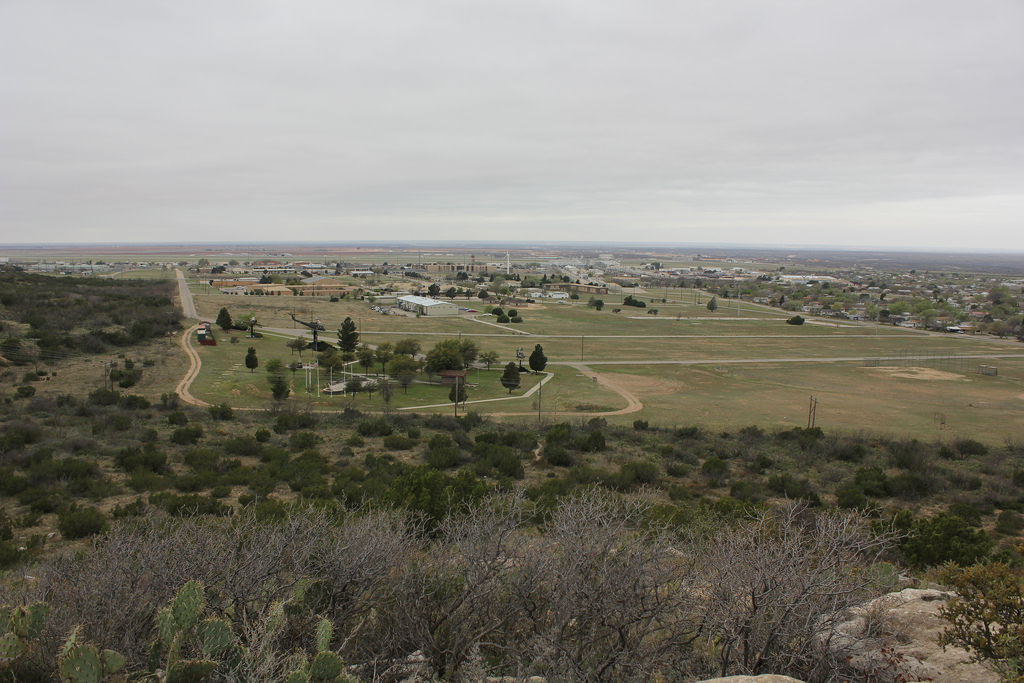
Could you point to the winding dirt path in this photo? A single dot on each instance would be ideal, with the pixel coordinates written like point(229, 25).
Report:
point(633, 404)
point(194, 365)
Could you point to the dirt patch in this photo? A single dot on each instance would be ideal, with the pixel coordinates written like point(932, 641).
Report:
point(920, 373)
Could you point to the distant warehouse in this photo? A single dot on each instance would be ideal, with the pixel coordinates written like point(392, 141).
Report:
point(425, 306)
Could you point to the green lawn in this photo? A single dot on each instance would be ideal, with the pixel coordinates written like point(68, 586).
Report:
point(850, 395)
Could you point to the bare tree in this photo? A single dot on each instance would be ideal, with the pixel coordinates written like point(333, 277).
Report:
point(614, 594)
point(775, 587)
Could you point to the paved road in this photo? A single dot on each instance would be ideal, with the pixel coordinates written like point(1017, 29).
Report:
point(188, 306)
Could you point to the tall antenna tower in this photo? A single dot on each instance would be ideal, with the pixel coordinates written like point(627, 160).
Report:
point(508, 264)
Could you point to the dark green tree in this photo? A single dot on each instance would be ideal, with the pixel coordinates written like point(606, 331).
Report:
point(434, 289)
point(348, 337)
point(224, 319)
point(510, 377)
point(457, 393)
point(407, 347)
point(538, 361)
point(713, 304)
point(383, 354)
point(365, 356)
point(298, 344)
point(488, 358)
point(405, 369)
point(278, 386)
point(251, 361)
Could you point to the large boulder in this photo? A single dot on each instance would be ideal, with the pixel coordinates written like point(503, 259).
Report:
point(763, 678)
point(895, 638)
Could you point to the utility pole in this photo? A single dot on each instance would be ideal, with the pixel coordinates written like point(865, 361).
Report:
point(540, 391)
point(812, 410)
point(581, 347)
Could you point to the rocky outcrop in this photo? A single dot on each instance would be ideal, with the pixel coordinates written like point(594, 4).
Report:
point(895, 638)
point(763, 678)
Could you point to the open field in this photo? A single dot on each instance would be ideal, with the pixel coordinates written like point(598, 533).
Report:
point(684, 365)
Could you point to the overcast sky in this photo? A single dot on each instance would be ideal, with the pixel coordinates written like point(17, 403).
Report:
point(876, 123)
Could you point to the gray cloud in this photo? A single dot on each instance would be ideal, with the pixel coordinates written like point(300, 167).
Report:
point(877, 123)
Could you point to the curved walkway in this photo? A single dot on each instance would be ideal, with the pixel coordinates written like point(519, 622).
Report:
point(633, 404)
point(183, 390)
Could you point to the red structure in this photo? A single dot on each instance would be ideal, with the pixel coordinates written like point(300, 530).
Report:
point(205, 333)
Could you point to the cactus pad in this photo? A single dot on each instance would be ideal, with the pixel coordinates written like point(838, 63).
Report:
point(326, 666)
point(217, 637)
point(11, 647)
point(28, 622)
point(81, 664)
point(324, 632)
point(188, 605)
point(112, 661)
point(190, 671)
point(166, 626)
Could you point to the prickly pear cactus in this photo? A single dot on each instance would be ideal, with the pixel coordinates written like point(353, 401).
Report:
point(217, 637)
point(82, 662)
point(188, 605)
point(28, 622)
point(19, 626)
point(324, 632)
point(326, 666)
point(190, 671)
point(11, 648)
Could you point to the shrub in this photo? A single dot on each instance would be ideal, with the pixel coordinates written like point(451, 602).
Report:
point(9, 554)
point(795, 320)
point(745, 490)
point(985, 616)
point(286, 422)
point(133, 458)
point(262, 435)
point(25, 392)
point(793, 487)
point(301, 440)
point(968, 447)
point(104, 397)
point(222, 411)
point(633, 474)
point(184, 436)
point(872, 481)
point(133, 402)
point(945, 538)
point(378, 427)
point(590, 443)
point(557, 455)
point(177, 419)
point(677, 469)
point(850, 495)
point(397, 442)
point(715, 469)
point(640, 425)
point(78, 522)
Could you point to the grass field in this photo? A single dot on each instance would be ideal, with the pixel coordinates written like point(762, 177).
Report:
point(684, 365)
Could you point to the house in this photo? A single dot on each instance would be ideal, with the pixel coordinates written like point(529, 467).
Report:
point(575, 287)
point(422, 305)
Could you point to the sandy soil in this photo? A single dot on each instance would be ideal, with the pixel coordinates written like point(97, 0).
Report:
point(920, 373)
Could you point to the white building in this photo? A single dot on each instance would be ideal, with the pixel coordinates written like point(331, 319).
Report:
point(426, 306)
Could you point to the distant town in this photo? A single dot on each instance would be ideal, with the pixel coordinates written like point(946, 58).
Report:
point(964, 300)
